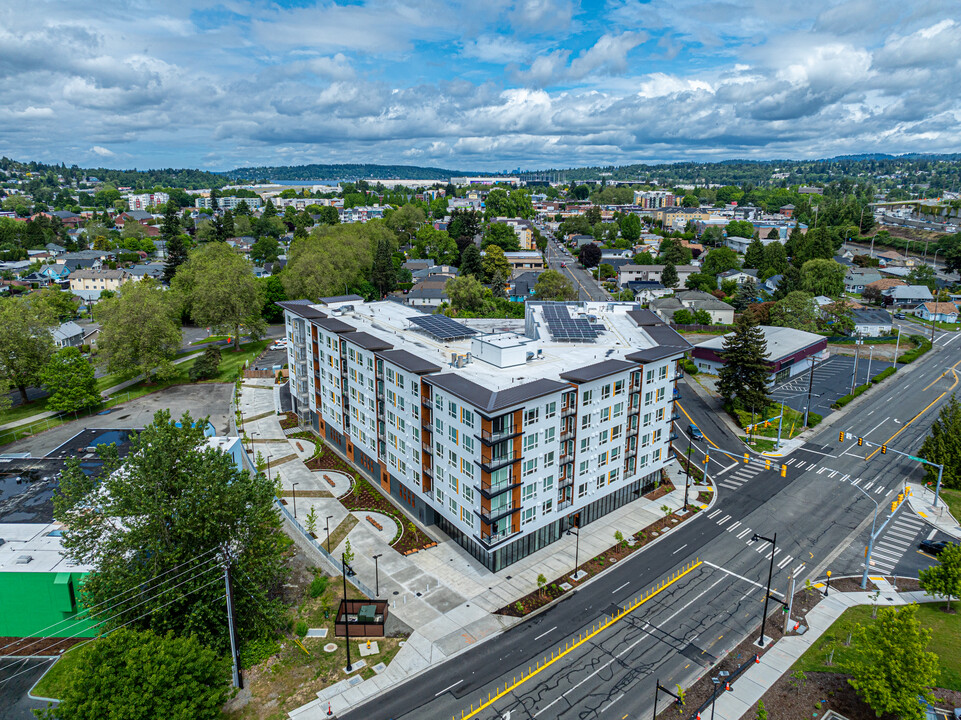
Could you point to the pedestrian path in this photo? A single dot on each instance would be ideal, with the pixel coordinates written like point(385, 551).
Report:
point(739, 476)
point(783, 559)
point(751, 686)
point(899, 538)
point(921, 501)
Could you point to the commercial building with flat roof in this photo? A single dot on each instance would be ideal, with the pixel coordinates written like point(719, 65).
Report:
point(503, 433)
point(790, 352)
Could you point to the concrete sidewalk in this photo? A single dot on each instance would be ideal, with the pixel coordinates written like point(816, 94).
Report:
point(759, 678)
point(921, 501)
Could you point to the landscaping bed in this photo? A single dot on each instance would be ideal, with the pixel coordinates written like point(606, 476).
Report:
point(328, 460)
point(660, 491)
point(364, 497)
point(289, 421)
point(552, 590)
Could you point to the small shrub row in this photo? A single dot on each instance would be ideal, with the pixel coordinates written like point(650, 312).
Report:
point(922, 345)
point(884, 374)
point(689, 366)
point(845, 399)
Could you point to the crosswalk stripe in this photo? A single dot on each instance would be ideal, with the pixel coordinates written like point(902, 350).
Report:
point(855, 482)
point(869, 485)
point(845, 478)
point(878, 490)
point(745, 531)
point(723, 519)
point(790, 461)
point(784, 562)
point(714, 513)
point(733, 525)
point(729, 486)
point(909, 521)
point(886, 554)
point(798, 569)
point(833, 473)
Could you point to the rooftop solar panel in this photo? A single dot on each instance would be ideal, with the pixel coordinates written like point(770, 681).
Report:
point(563, 327)
point(442, 327)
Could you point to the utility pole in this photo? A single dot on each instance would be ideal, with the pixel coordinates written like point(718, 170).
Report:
point(854, 374)
point(770, 575)
point(343, 570)
point(896, 346)
point(687, 479)
point(231, 627)
point(870, 359)
point(807, 408)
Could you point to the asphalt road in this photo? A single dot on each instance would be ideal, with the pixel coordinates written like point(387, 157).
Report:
point(816, 511)
point(17, 676)
point(587, 287)
point(832, 379)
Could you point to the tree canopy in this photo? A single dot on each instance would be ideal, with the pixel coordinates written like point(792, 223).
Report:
point(69, 379)
point(743, 378)
point(944, 578)
point(943, 445)
point(823, 277)
point(332, 257)
point(26, 342)
point(552, 285)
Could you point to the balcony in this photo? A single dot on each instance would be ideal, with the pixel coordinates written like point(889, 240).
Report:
point(491, 463)
point(489, 517)
point(567, 434)
point(564, 505)
point(489, 437)
point(496, 538)
point(428, 471)
point(490, 491)
point(568, 410)
point(426, 446)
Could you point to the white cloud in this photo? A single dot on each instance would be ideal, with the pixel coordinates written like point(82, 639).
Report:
point(102, 151)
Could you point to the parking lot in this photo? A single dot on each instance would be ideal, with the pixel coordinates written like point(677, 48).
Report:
point(832, 379)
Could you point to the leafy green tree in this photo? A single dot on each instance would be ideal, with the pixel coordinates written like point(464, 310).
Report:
point(943, 445)
point(328, 215)
point(464, 226)
point(552, 285)
point(720, 260)
point(683, 316)
point(690, 201)
point(743, 378)
point(59, 304)
point(631, 227)
point(499, 284)
point(466, 293)
point(495, 262)
point(26, 342)
point(775, 260)
point(669, 277)
point(671, 251)
point(502, 235)
point(139, 330)
point(739, 228)
point(405, 221)
point(590, 255)
point(141, 675)
point(436, 245)
point(206, 366)
point(69, 379)
point(823, 277)
point(383, 274)
point(643, 258)
point(265, 250)
point(331, 257)
point(944, 578)
point(470, 261)
point(712, 236)
point(892, 667)
point(790, 282)
point(273, 291)
point(754, 256)
point(923, 274)
point(797, 310)
point(218, 289)
point(178, 505)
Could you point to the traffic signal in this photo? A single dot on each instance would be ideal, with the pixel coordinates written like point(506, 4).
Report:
point(784, 471)
point(707, 458)
point(884, 449)
point(747, 458)
point(841, 436)
point(894, 505)
point(860, 442)
point(767, 464)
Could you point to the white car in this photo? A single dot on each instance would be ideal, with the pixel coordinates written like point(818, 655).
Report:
point(279, 345)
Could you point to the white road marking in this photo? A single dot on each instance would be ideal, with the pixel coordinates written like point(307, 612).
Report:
point(620, 588)
point(723, 519)
point(740, 577)
point(733, 526)
point(869, 485)
point(797, 570)
point(855, 482)
point(932, 534)
point(745, 531)
point(679, 549)
point(448, 688)
point(714, 513)
point(878, 490)
point(612, 702)
point(784, 562)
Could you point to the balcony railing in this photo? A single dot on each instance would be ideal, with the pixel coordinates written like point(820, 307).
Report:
point(496, 538)
point(567, 434)
point(489, 491)
point(568, 410)
point(495, 514)
point(489, 437)
point(490, 464)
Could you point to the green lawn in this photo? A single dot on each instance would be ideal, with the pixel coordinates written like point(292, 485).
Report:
point(953, 500)
point(212, 338)
point(759, 443)
point(23, 411)
point(941, 325)
point(791, 425)
point(54, 681)
point(945, 642)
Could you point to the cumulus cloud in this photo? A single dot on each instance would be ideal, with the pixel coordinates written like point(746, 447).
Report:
point(394, 81)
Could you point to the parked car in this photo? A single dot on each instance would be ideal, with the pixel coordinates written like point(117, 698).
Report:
point(279, 344)
point(695, 432)
point(934, 547)
point(563, 264)
point(899, 316)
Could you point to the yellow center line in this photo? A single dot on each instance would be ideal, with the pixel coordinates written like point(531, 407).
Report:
point(555, 656)
point(681, 408)
point(942, 375)
point(905, 427)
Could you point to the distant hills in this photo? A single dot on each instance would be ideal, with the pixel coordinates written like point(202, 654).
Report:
point(344, 172)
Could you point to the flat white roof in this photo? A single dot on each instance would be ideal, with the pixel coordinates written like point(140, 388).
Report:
point(34, 541)
point(781, 341)
point(390, 322)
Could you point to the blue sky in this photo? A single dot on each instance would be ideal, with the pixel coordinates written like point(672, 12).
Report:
point(475, 85)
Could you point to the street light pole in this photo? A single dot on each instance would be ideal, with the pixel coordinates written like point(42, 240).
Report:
point(896, 346)
point(293, 489)
point(328, 532)
point(770, 575)
point(687, 480)
point(717, 683)
point(343, 569)
point(376, 576)
point(870, 550)
point(577, 544)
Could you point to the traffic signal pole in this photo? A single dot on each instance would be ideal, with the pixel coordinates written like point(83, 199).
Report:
point(885, 449)
point(895, 506)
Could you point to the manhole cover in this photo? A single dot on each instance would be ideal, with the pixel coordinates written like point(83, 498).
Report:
point(330, 647)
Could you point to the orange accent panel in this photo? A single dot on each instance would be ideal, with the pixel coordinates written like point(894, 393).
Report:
point(384, 478)
point(350, 452)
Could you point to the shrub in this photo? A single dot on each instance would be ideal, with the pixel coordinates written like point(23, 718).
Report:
point(318, 585)
point(886, 373)
point(689, 366)
point(921, 346)
point(254, 652)
point(206, 366)
point(300, 628)
point(814, 419)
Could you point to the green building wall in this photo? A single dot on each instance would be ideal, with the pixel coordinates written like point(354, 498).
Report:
point(30, 602)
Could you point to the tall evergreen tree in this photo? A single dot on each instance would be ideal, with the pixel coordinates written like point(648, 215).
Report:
point(176, 256)
point(170, 227)
point(743, 379)
point(470, 262)
point(269, 210)
point(669, 278)
point(943, 445)
point(754, 256)
point(214, 202)
point(383, 275)
point(790, 282)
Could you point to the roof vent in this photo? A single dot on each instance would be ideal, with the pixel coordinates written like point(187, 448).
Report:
point(24, 559)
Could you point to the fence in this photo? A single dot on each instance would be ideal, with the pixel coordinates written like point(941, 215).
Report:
point(20, 432)
point(259, 373)
point(702, 328)
point(322, 550)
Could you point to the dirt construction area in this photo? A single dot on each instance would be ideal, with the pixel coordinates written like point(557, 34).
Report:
point(200, 400)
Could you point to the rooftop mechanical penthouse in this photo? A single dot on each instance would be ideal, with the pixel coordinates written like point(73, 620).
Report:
point(503, 433)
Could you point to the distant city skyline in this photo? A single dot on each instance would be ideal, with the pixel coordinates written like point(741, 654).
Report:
point(475, 86)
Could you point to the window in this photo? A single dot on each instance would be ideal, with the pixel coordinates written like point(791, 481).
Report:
point(528, 515)
point(439, 496)
point(585, 421)
point(550, 410)
point(467, 517)
point(657, 435)
point(549, 459)
point(452, 410)
point(467, 467)
point(531, 416)
point(468, 442)
point(605, 414)
point(618, 409)
point(454, 482)
point(648, 397)
point(649, 377)
point(613, 475)
point(586, 398)
point(530, 442)
point(452, 434)
point(439, 403)
point(467, 417)
point(468, 493)
point(530, 466)
point(547, 507)
point(390, 375)
point(618, 387)
point(615, 454)
point(660, 414)
point(529, 491)
point(606, 392)
point(548, 483)
point(452, 458)
point(642, 461)
point(602, 459)
point(585, 444)
point(662, 373)
point(616, 432)
point(605, 435)
point(647, 419)
point(582, 467)
point(549, 435)
point(657, 454)
point(439, 472)
point(439, 425)
point(659, 395)
point(452, 504)
point(601, 481)
point(646, 439)
point(582, 490)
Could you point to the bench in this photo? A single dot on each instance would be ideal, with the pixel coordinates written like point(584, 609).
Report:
point(329, 481)
point(374, 523)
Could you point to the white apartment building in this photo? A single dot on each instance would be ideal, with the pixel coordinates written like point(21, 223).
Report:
point(503, 434)
point(144, 200)
point(648, 199)
point(229, 203)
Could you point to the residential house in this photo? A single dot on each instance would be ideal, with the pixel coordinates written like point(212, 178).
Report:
point(54, 273)
point(69, 334)
point(522, 286)
point(581, 240)
point(741, 277)
point(771, 283)
point(435, 271)
point(859, 278)
point(98, 280)
point(938, 311)
point(907, 295)
point(872, 323)
point(740, 244)
point(55, 249)
point(154, 270)
point(721, 313)
point(427, 294)
point(647, 290)
point(525, 260)
point(787, 210)
point(884, 284)
point(629, 273)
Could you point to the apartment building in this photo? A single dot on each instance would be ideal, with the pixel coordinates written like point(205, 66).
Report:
point(501, 434)
point(229, 202)
point(141, 201)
